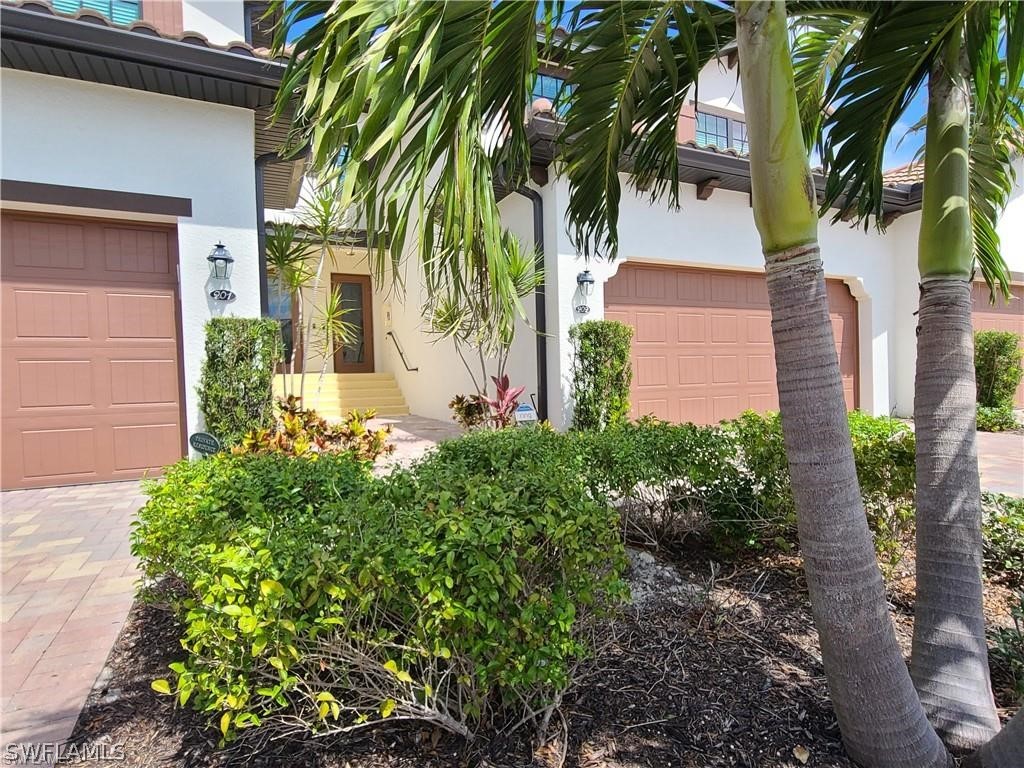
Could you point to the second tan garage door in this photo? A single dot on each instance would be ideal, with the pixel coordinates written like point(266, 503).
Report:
point(1001, 316)
point(702, 344)
point(90, 362)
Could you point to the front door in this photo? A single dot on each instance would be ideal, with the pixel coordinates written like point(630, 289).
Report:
point(356, 354)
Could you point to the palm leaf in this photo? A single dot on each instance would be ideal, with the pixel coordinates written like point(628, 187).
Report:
point(428, 99)
point(633, 65)
point(871, 89)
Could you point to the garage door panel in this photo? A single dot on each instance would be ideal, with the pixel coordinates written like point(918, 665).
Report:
point(721, 354)
point(90, 361)
point(61, 452)
point(51, 314)
point(144, 446)
point(54, 383)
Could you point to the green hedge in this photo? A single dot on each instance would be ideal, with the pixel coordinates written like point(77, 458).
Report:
point(601, 373)
point(461, 591)
point(997, 366)
point(236, 384)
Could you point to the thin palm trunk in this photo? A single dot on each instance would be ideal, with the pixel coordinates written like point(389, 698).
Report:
point(949, 663)
point(309, 323)
point(1005, 749)
point(881, 719)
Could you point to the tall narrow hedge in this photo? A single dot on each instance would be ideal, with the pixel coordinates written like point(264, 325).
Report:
point(236, 385)
point(997, 366)
point(601, 373)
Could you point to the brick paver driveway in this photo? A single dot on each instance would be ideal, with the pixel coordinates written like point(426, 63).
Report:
point(68, 582)
point(1001, 462)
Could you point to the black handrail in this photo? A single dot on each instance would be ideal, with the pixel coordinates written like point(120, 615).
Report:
point(400, 352)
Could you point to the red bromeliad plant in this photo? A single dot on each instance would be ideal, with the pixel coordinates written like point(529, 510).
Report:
point(503, 404)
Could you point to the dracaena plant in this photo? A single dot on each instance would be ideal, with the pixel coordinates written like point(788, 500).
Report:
point(504, 403)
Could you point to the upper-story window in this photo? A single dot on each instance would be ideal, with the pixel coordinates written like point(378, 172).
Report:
point(118, 11)
point(552, 88)
point(722, 132)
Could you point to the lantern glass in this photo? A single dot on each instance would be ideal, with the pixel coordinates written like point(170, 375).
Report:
point(220, 262)
point(585, 281)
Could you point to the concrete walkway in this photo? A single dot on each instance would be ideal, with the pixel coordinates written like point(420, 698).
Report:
point(68, 583)
point(1001, 462)
point(413, 436)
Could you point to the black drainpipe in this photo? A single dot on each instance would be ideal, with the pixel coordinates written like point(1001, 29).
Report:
point(269, 158)
point(540, 309)
point(261, 230)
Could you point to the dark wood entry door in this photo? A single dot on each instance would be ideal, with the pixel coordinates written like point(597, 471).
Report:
point(355, 356)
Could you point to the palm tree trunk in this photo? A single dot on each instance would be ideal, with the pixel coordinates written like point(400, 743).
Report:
point(1005, 750)
point(881, 719)
point(949, 663)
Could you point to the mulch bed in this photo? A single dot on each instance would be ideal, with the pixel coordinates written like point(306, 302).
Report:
point(725, 672)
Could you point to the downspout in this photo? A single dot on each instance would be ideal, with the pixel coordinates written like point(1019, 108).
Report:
point(540, 308)
point(261, 231)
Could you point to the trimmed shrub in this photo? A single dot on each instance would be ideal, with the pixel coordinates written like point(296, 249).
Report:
point(997, 366)
point(236, 384)
point(200, 504)
point(998, 419)
point(601, 373)
point(1003, 534)
point(459, 592)
point(731, 483)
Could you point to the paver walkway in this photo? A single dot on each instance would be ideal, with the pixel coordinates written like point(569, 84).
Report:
point(68, 582)
point(1001, 462)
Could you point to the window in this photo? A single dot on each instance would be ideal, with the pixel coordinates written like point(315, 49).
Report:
point(551, 88)
point(280, 300)
point(721, 132)
point(118, 11)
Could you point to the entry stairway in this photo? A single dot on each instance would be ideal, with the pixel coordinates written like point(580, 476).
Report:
point(338, 393)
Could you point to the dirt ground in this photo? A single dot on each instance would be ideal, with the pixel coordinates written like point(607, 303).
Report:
point(712, 665)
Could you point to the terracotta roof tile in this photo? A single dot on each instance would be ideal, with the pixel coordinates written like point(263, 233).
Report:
point(188, 37)
point(911, 173)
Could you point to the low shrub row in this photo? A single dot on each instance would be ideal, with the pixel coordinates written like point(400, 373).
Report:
point(312, 595)
point(730, 483)
point(463, 590)
point(998, 374)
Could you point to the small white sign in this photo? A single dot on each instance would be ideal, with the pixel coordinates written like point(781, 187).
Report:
point(525, 414)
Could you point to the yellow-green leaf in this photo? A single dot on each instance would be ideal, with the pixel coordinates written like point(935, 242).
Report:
point(401, 674)
point(225, 723)
point(161, 686)
point(387, 707)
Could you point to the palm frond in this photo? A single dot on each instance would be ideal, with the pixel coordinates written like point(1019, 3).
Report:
point(871, 89)
point(819, 45)
point(633, 65)
point(428, 100)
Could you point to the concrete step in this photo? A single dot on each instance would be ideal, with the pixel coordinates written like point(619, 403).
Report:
point(336, 394)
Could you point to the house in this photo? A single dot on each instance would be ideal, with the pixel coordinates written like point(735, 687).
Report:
point(135, 138)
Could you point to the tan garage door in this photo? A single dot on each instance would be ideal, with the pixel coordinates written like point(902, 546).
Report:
point(90, 360)
point(702, 343)
point(1001, 316)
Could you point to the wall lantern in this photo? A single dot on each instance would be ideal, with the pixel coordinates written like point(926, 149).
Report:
point(220, 262)
point(585, 283)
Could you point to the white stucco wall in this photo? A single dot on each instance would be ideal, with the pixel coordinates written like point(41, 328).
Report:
point(1011, 225)
point(719, 86)
point(62, 131)
point(220, 21)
